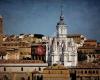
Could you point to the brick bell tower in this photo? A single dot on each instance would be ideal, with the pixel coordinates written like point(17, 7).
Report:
point(1, 25)
point(1, 28)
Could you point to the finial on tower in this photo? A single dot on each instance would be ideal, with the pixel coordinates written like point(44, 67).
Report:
point(61, 16)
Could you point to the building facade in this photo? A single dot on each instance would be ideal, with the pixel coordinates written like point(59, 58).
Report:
point(56, 72)
point(85, 71)
point(21, 69)
point(90, 49)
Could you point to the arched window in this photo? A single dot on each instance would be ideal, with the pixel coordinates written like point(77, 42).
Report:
point(93, 72)
point(85, 72)
point(89, 72)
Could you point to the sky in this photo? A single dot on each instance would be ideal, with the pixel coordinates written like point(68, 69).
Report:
point(41, 16)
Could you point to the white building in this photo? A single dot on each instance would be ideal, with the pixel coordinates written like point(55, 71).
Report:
point(62, 50)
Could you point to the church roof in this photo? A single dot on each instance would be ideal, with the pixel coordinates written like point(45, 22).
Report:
point(20, 61)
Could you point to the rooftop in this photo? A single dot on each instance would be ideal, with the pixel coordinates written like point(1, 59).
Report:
point(90, 40)
point(87, 47)
point(88, 65)
point(20, 61)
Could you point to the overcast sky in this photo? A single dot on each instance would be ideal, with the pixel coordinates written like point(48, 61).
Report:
point(41, 16)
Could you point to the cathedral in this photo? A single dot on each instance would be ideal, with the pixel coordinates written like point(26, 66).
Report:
point(62, 50)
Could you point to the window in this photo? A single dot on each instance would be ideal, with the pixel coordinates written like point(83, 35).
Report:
point(90, 72)
point(39, 69)
point(21, 68)
point(85, 72)
point(96, 72)
point(4, 68)
point(93, 72)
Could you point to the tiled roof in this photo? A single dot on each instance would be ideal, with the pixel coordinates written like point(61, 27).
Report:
point(20, 61)
point(87, 47)
point(88, 65)
point(90, 40)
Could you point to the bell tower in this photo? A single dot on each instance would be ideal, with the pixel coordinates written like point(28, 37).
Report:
point(1, 25)
point(1, 29)
point(61, 26)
